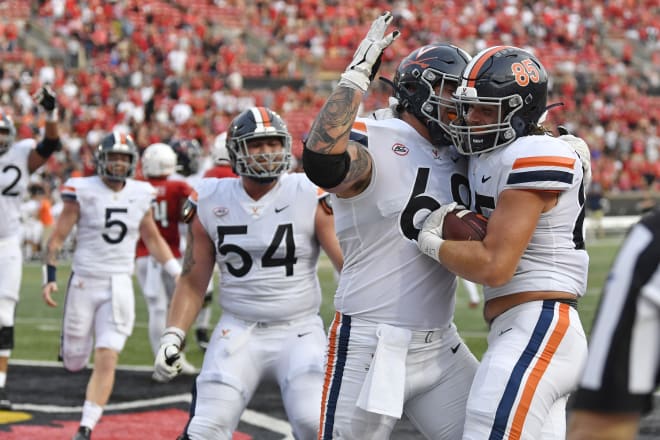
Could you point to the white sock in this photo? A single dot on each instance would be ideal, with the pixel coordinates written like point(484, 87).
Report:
point(3, 379)
point(91, 414)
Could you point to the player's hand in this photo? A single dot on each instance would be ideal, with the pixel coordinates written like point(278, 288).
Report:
point(168, 359)
point(582, 150)
point(430, 238)
point(46, 98)
point(367, 57)
point(47, 290)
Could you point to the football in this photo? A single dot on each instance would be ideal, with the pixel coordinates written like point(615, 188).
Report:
point(463, 224)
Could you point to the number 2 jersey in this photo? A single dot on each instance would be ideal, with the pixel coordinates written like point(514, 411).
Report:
point(385, 278)
point(555, 258)
point(14, 179)
point(108, 227)
point(266, 250)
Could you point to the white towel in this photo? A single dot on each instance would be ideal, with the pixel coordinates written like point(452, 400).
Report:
point(123, 303)
point(383, 389)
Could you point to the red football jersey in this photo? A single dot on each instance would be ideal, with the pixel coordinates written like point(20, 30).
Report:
point(220, 171)
point(166, 209)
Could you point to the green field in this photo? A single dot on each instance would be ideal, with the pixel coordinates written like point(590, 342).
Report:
point(38, 326)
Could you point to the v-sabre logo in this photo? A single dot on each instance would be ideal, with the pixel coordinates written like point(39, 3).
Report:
point(400, 149)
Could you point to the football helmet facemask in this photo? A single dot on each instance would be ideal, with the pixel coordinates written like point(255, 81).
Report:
point(514, 83)
point(158, 160)
point(7, 133)
point(419, 82)
point(114, 170)
point(188, 153)
point(255, 123)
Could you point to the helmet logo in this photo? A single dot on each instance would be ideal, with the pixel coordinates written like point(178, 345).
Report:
point(525, 72)
point(423, 63)
point(400, 149)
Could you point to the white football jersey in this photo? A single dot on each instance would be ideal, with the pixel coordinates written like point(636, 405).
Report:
point(108, 227)
point(14, 180)
point(385, 278)
point(266, 250)
point(555, 258)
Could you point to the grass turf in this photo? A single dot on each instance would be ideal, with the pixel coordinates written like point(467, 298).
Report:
point(38, 326)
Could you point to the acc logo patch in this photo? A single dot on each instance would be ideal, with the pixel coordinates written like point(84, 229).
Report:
point(400, 149)
point(220, 211)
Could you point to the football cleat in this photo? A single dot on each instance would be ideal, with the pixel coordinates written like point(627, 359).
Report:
point(84, 433)
point(5, 403)
point(202, 337)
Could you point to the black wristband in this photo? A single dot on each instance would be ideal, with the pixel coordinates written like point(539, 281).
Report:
point(47, 147)
point(49, 273)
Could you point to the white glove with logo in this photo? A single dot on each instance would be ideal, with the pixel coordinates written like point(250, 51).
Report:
point(430, 237)
point(366, 60)
point(168, 359)
point(582, 150)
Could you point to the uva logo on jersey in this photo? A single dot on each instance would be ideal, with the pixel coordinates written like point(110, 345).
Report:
point(400, 149)
point(220, 211)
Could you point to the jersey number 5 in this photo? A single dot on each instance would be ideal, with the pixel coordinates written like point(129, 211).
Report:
point(283, 233)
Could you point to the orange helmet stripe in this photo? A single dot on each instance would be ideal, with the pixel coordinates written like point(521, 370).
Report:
point(478, 63)
point(265, 116)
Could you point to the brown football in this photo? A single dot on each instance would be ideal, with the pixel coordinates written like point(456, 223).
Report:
point(463, 224)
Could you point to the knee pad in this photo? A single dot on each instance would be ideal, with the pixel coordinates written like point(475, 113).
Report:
point(7, 312)
point(6, 338)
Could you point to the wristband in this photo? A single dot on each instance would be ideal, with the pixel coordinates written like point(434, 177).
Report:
point(52, 116)
point(47, 147)
point(173, 336)
point(430, 245)
point(172, 267)
point(48, 272)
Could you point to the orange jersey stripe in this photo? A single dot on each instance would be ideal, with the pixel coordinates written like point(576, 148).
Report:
point(540, 161)
point(68, 188)
point(332, 354)
point(537, 372)
point(472, 74)
point(361, 126)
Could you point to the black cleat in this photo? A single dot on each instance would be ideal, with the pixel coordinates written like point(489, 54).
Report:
point(202, 337)
point(84, 433)
point(5, 403)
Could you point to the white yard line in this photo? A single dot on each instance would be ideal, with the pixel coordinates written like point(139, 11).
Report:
point(249, 416)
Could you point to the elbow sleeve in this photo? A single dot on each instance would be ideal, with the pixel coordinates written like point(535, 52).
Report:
point(325, 170)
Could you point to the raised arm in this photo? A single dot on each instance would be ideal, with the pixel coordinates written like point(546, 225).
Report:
point(330, 159)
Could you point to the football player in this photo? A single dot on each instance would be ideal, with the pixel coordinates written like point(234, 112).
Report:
point(158, 163)
point(17, 161)
point(392, 346)
point(532, 261)
point(111, 210)
point(221, 162)
point(621, 373)
point(188, 153)
point(265, 230)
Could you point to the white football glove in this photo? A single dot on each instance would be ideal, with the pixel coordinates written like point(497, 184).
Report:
point(430, 237)
point(582, 150)
point(168, 359)
point(366, 60)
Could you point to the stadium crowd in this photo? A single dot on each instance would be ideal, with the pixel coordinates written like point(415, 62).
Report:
point(169, 69)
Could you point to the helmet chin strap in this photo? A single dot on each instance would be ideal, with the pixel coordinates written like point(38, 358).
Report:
point(263, 180)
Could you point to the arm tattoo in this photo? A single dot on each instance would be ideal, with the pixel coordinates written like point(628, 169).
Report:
point(334, 121)
point(188, 259)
